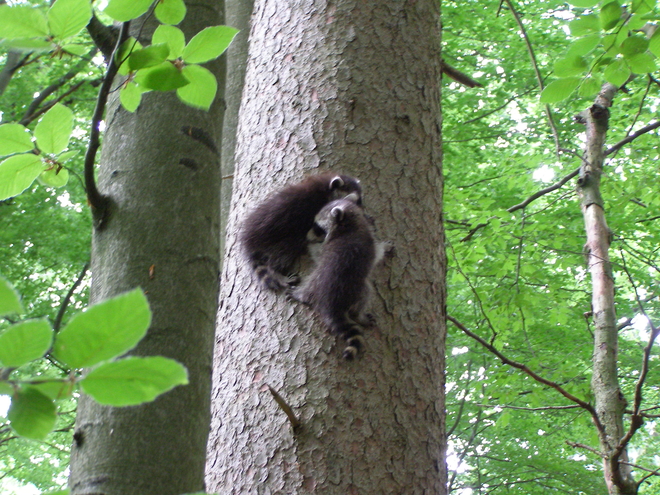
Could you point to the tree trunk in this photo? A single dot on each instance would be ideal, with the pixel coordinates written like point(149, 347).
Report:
point(609, 400)
point(162, 234)
point(237, 15)
point(352, 87)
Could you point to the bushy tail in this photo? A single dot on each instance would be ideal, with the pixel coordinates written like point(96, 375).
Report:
point(351, 332)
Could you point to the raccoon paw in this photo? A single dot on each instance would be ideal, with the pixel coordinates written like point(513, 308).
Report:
point(293, 280)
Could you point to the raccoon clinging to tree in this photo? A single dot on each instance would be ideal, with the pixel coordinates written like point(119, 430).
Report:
point(274, 235)
point(338, 288)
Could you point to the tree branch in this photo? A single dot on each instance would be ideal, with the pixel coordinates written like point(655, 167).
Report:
point(97, 201)
point(67, 298)
point(543, 192)
point(585, 405)
point(632, 137)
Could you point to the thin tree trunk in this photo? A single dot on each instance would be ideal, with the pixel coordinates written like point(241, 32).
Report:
point(350, 87)
point(162, 234)
point(609, 400)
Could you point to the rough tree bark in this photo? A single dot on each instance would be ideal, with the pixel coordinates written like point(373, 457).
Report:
point(161, 234)
point(352, 87)
point(609, 400)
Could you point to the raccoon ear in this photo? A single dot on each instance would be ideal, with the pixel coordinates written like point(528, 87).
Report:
point(337, 213)
point(336, 183)
point(353, 197)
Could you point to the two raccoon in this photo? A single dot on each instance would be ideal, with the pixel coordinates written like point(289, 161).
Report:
point(325, 213)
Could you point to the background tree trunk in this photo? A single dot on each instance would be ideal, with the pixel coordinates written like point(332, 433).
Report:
point(610, 402)
point(351, 87)
point(238, 15)
point(162, 235)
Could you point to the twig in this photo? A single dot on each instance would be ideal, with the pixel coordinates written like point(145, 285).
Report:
point(67, 298)
point(586, 447)
point(97, 201)
point(543, 192)
point(535, 66)
point(632, 137)
point(585, 405)
point(295, 422)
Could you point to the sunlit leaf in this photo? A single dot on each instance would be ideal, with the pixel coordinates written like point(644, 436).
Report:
point(54, 129)
point(617, 73)
point(202, 88)
point(610, 15)
point(54, 177)
point(32, 414)
point(208, 44)
point(148, 57)
point(24, 342)
point(106, 330)
point(586, 24)
point(68, 17)
point(22, 22)
point(170, 11)
point(125, 10)
point(17, 173)
point(174, 38)
point(634, 45)
point(559, 89)
point(14, 138)
point(10, 302)
point(569, 66)
point(133, 380)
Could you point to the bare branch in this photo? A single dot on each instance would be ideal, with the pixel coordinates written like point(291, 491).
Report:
point(67, 298)
point(543, 192)
point(585, 405)
point(632, 137)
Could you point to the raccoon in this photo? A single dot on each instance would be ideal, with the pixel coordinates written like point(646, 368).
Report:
point(274, 235)
point(338, 288)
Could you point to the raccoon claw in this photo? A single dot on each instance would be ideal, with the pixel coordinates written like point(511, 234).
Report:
point(369, 320)
point(293, 280)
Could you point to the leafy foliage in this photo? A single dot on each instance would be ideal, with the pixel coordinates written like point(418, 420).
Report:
point(517, 276)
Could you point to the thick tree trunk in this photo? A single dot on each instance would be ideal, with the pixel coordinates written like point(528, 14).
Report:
point(162, 234)
point(609, 400)
point(350, 87)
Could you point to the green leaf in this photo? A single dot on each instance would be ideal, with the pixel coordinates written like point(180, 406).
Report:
point(27, 44)
point(654, 43)
point(25, 342)
point(610, 15)
point(32, 414)
point(163, 77)
point(10, 302)
point(125, 50)
point(66, 156)
point(174, 38)
point(586, 24)
point(105, 331)
point(642, 63)
point(202, 88)
point(642, 6)
point(590, 86)
point(54, 129)
point(133, 380)
point(54, 177)
point(170, 11)
point(125, 10)
point(570, 66)
point(584, 45)
point(634, 45)
point(68, 17)
point(617, 73)
point(22, 22)
point(14, 138)
point(559, 89)
point(55, 389)
point(208, 44)
point(17, 173)
point(130, 96)
point(6, 388)
point(75, 49)
point(148, 57)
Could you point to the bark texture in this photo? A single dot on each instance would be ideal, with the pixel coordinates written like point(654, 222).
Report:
point(162, 234)
point(609, 400)
point(237, 15)
point(351, 87)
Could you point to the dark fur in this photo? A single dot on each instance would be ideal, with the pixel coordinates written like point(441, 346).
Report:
point(339, 288)
point(274, 235)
